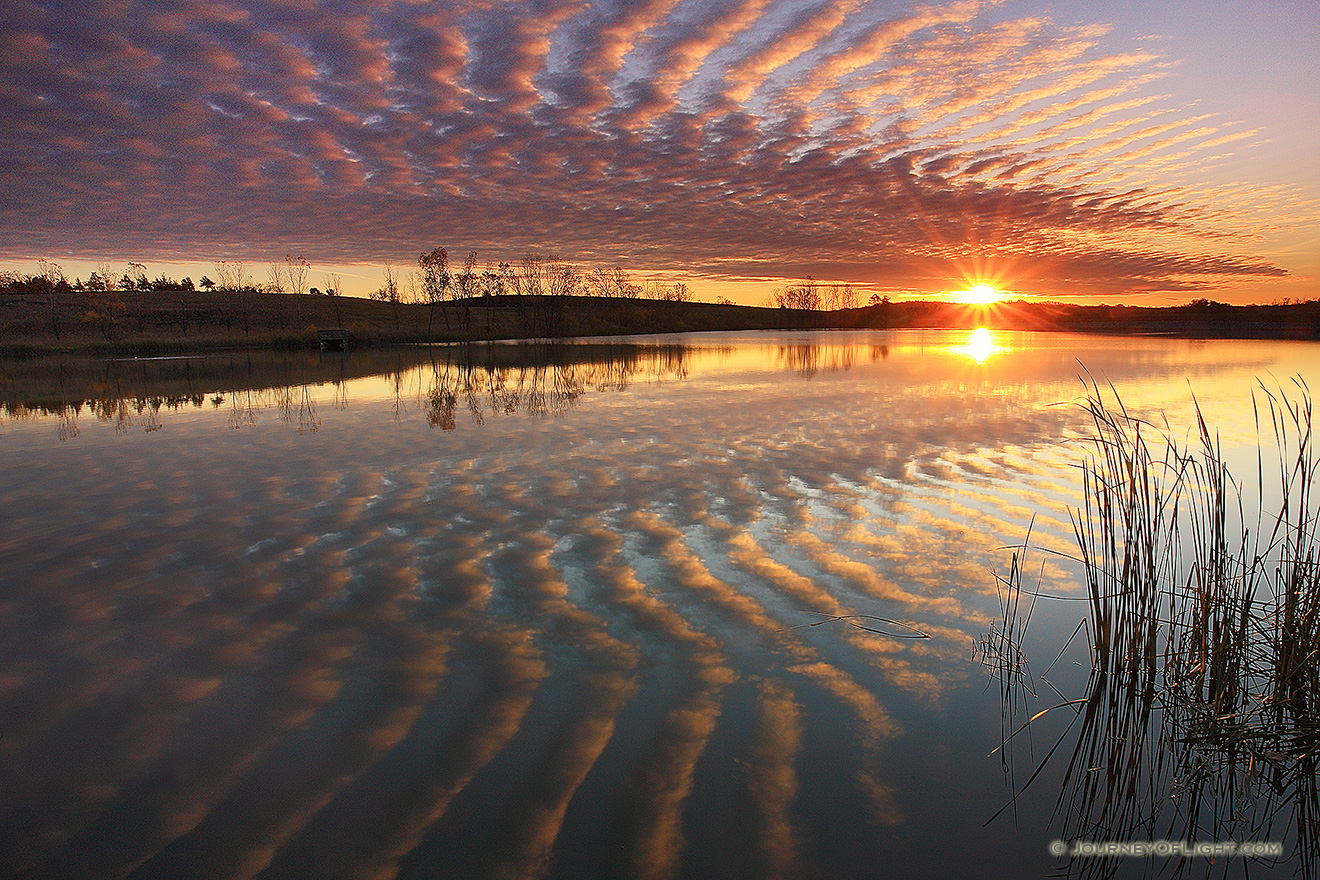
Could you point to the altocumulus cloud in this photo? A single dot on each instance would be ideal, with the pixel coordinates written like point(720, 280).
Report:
point(890, 144)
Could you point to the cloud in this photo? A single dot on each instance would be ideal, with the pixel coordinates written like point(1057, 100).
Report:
point(745, 138)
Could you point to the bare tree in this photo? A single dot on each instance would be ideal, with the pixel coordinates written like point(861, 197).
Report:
point(493, 279)
point(275, 278)
point(660, 290)
point(334, 290)
point(466, 281)
point(412, 292)
point(494, 282)
point(624, 286)
point(137, 272)
point(296, 271)
point(840, 296)
point(803, 295)
point(675, 292)
point(598, 283)
point(530, 278)
point(561, 278)
point(611, 283)
point(528, 282)
point(109, 278)
point(436, 279)
point(233, 279)
point(466, 286)
point(52, 280)
point(389, 292)
point(230, 275)
point(848, 297)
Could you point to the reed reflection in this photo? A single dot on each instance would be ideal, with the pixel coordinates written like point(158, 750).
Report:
point(1200, 721)
point(481, 618)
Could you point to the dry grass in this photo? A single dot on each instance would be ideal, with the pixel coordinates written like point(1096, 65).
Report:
point(1201, 718)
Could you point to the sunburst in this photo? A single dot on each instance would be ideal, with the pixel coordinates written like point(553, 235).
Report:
point(982, 293)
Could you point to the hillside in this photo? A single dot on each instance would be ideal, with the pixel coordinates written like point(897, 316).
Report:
point(192, 320)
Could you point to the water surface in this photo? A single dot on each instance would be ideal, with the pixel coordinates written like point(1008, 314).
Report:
point(546, 611)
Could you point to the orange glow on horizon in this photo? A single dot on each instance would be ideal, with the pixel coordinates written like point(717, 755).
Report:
point(982, 293)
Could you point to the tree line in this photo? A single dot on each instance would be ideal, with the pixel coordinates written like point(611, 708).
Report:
point(433, 280)
point(546, 281)
point(812, 295)
point(451, 292)
point(289, 276)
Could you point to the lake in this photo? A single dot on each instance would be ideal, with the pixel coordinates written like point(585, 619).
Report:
point(624, 608)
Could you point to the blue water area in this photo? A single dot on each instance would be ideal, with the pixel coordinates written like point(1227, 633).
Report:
point(626, 608)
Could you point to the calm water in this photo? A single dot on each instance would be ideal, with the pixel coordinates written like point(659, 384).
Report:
point(546, 612)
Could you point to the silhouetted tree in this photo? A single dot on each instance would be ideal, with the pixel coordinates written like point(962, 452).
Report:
point(334, 289)
point(231, 274)
point(52, 283)
point(840, 296)
point(803, 295)
point(102, 307)
point(675, 292)
point(494, 282)
point(109, 279)
point(136, 275)
point(466, 284)
point(434, 268)
point(561, 280)
point(296, 269)
point(233, 279)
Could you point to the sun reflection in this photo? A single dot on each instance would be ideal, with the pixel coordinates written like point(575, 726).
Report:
point(980, 345)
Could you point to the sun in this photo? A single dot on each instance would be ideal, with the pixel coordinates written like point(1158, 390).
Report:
point(979, 294)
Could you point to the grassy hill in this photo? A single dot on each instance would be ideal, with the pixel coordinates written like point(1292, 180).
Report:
point(168, 321)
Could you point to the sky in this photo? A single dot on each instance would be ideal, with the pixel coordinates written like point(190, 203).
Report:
point(1098, 152)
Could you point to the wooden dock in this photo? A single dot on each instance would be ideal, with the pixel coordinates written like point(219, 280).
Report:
point(333, 339)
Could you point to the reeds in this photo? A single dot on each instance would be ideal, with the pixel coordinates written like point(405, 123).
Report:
point(1201, 719)
point(1000, 649)
point(1190, 598)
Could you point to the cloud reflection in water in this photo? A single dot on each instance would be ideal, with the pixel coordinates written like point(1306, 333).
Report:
point(531, 613)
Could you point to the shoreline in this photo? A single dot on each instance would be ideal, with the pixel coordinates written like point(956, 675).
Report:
point(182, 323)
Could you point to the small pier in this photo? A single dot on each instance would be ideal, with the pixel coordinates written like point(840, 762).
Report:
point(334, 339)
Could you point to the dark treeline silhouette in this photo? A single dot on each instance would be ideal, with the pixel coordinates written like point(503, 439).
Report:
point(447, 300)
point(536, 294)
point(438, 301)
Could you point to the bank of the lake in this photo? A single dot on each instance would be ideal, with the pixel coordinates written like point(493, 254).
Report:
point(177, 321)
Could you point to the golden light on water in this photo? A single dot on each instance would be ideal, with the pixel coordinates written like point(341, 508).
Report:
point(980, 345)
